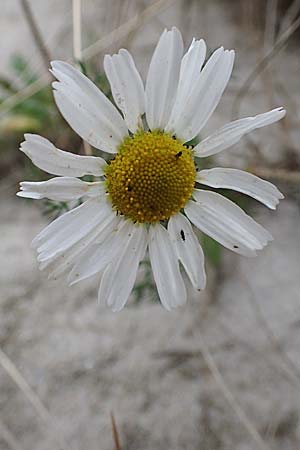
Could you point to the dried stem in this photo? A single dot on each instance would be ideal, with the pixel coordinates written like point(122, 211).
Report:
point(45, 54)
point(77, 41)
point(115, 432)
point(77, 53)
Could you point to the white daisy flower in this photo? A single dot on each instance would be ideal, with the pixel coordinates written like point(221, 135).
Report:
point(148, 195)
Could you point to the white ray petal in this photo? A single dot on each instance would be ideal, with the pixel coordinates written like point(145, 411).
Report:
point(190, 69)
point(69, 228)
point(191, 66)
point(57, 162)
point(165, 268)
point(188, 249)
point(60, 189)
point(231, 133)
point(65, 261)
point(127, 87)
point(227, 223)
point(162, 79)
point(87, 109)
point(192, 113)
point(119, 277)
point(238, 180)
point(102, 252)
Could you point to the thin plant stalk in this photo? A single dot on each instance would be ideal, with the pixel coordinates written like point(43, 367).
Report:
point(77, 50)
point(37, 36)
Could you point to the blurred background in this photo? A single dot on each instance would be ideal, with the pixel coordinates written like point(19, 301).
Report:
point(224, 371)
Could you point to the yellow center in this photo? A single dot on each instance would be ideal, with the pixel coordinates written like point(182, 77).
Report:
point(151, 178)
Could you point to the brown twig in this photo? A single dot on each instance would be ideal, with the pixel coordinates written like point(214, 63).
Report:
point(115, 432)
point(45, 54)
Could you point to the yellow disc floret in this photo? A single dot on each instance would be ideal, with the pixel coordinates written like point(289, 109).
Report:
point(152, 177)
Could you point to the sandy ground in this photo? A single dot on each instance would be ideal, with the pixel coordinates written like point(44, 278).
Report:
point(144, 364)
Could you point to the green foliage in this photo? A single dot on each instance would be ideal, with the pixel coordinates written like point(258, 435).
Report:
point(7, 86)
point(53, 209)
point(35, 114)
point(22, 70)
point(147, 286)
point(212, 250)
point(99, 78)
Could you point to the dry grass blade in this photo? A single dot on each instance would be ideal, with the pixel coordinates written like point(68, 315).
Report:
point(38, 39)
point(122, 31)
point(9, 103)
point(34, 400)
point(76, 9)
point(262, 64)
point(115, 432)
point(77, 53)
point(271, 20)
point(249, 427)
point(129, 26)
point(290, 15)
point(290, 368)
point(9, 438)
point(281, 175)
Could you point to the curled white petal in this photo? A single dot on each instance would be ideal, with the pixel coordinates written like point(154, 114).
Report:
point(191, 66)
point(87, 109)
point(69, 228)
point(165, 268)
point(102, 252)
point(227, 223)
point(127, 87)
point(162, 79)
point(241, 181)
point(231, 133)
point(188, 249)
point(60, 189)
point(57, 162)
point(192, 113)
point(190, 69)
point(119, 277)
point(63, 262)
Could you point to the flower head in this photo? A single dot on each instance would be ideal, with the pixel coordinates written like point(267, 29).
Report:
point(148, 195)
